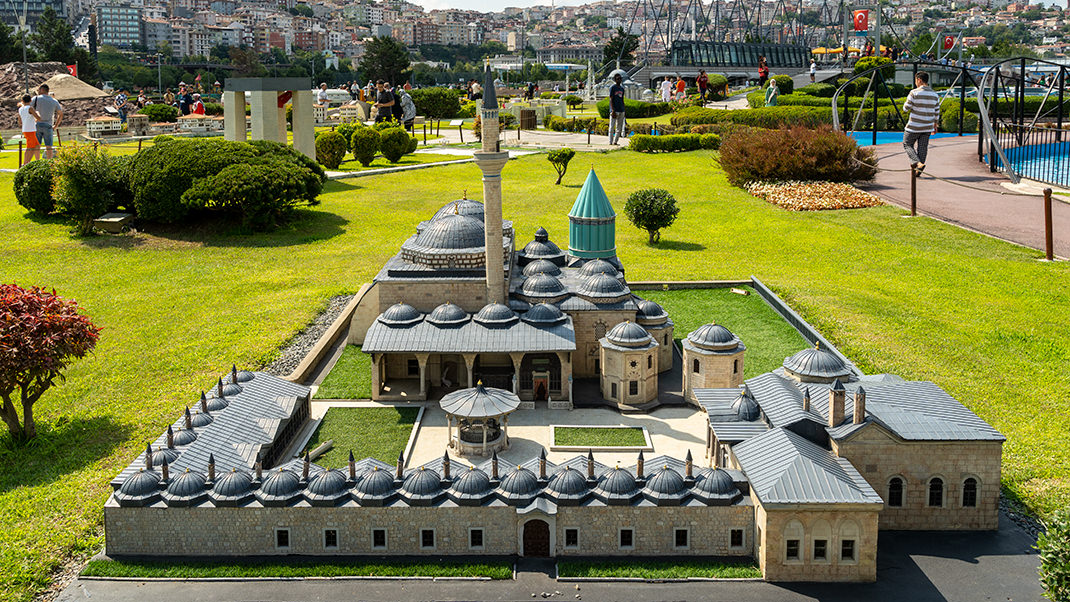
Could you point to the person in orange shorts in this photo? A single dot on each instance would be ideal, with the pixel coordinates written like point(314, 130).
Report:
point(28, 117)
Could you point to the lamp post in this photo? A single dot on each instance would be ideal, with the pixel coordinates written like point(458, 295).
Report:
point(159, 75)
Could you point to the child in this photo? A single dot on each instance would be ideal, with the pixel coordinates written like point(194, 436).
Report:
point(28, 117)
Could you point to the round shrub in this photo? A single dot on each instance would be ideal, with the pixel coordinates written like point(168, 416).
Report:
point(651, 209)
point(394, 143)
point(240, 189)
point(213, 108)
point(816, 154)
point(330, 149)
point(33, 187)
point(83, 177)
point(160, 113)
point(365, 144)
point(573, 101)
point(467, 110)
point(346, 129)
point(784, 82)
point(436, 103)
point(869, 62)
point(710, 141)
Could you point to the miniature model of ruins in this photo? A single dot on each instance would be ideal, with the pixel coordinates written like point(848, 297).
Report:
point(803, 466)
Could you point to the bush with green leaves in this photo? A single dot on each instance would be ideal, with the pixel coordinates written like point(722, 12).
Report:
point(673, 143)
point(394, 143)
point(560, 158)
point(346, 129)
point(243, 189)
point(784, 82)
point(467, 110)
point(330, 149)
point(870, 62)
point(651, 209)
point(949, 117)
point(634, 109)
point(818, 90)
point(436, 103)
point(765, 117)
point(160, 113)
point(213, 108)
point(365, 144)
point(573, 101)
point(33, 187)
point(83, 175)
point(717, 86)
point(1054, 547)
point(799, 153)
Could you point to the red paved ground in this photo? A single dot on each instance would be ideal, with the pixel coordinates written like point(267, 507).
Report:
point(1015, 218)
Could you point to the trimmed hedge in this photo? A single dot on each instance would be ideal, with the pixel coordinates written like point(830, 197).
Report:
point(436, 103)
point(784, 82)
point(394, 143)
point(634, 109)
point(365, 145)
point(33, 187)
point(160, 113)
point(213, 108)
point(757, 100)
point(262, 193)
point(799, 153)
point(672, 143)
point(869, 62)
point(765, 117)
point(330, 149)
point(949, 117)
point(346, 129)
point(819, 90)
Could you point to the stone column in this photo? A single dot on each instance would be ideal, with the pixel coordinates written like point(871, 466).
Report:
point(505, 429)
point(304, 123)
point(263, 114)
point(518, 360)
point(449, 430)
point(281, 136)
point(377, 385)
point(484, 452)
point(469, 361)
point(421, 358)
point(234, 115)
point(564, 358)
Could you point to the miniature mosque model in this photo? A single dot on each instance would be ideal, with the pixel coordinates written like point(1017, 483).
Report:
point(803, 466)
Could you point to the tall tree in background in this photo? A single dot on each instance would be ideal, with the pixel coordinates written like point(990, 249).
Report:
point(621, 45)
point(53, 42)
point(385, 58)
point(9, 51)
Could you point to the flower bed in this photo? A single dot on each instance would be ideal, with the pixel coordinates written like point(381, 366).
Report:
point(812, 196)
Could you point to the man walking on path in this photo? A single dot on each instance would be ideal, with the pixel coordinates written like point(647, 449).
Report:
point(28, 118)
point(813, 71)
point(923, 105)
point(666, 90)
point(702, 81)
point(49, 114)
point(616, 108)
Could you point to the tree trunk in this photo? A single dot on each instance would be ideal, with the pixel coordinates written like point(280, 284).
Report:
point(11, 418)
point(560, 174)
point(652, 234)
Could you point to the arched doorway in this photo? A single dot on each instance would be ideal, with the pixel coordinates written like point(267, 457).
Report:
point(540, 391)
point(537, 538)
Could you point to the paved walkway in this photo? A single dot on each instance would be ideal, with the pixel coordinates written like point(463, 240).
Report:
point(987, 207)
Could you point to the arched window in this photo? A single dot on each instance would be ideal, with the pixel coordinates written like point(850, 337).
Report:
point(735, 366)
point(820, 538)
point(849, 536)
point(936, 493)
point(895, 492)
point(664, 339)
point(694, 367)
point(969, 493)
point(793, 537)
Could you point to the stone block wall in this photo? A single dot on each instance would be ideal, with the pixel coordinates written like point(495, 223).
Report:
point(663, 335)
point(879, 457)
point(590, 326)
point(833, 523)
point(426, 295)
point(617, 369)
point(716, 371)
point(654, 530)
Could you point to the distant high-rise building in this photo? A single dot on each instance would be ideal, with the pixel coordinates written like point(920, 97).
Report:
point(10, 12)
point(118, 25)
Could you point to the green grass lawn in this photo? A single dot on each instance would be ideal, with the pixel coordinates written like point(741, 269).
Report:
point(414, 159)
point(369, 432)
point(350, 378)
point(768, 337)
point(495, 569)
point(599, 437)
point(982, 318)
point(669, 569)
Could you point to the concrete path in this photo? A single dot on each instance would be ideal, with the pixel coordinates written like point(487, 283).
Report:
point(919, 567)
point(988, 206)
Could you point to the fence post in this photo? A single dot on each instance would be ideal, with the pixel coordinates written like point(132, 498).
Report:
point(139, 141)
point(876, 97)
point(1021, 95)
point(460, 130)
point(1049, 251)
point(994, 120)
point(1062, 86)
point(913, 192)
point(20, 153)
point(425, 133)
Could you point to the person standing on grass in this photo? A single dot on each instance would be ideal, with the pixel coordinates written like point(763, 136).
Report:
point(49, 114)
point(813, 71)
point(617, 110)
point(28, 118)
point(702, 81)
point(923, 105)
point(666, 90)
point(408, 107)
point(772, 93)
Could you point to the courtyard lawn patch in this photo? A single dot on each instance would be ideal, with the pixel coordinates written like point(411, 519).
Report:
point(593, 436)
point(668, 569)
point(928, 301)
point(768, 337)
point(379, 433)
point(350, 378)
point(495, 569)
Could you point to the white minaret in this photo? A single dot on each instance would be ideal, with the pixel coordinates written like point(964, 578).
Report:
point(491, 161)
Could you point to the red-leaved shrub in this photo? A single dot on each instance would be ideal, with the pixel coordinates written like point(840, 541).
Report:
point(798, 153)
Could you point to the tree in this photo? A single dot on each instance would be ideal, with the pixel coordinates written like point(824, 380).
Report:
point(42, 333)
point(621, 45)
point(384, 58)
point(559, 159)
point(1054, 548)
point(8, 45)
point(651, 209)
point(52, 37)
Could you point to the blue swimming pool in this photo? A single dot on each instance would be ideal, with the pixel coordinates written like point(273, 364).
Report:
point(866, 138)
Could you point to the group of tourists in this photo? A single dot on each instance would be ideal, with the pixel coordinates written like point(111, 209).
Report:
point(394, 104)
point(39, 116)
point(673, 88)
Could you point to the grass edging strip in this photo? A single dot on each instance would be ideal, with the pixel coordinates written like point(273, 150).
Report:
point(655, 579)
point(309, 578)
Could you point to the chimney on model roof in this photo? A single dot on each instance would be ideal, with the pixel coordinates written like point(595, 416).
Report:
point(639, 466)
point(837, 399)
point(806, 400)
point(860, 406)
point(494, 466)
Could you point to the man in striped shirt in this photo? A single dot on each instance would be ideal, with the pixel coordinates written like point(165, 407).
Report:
point(924, 107)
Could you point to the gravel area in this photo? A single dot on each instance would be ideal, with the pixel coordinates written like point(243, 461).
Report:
point(1021, 517)
point(295, 350)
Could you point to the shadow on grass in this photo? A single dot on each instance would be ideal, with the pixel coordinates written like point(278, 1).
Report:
point(679, 245)
point(45, 220)
point(60, 448)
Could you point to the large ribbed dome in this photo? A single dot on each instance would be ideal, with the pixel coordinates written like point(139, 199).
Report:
point(816, 363)
point(714, 483)
point(447, 314)
point(599, 266)
point(567, 485)
point(471, 486)
point(423, 483)
point(280, 483)
point(519, 484)
point(542, 266)
point(327, 483)
point(184, 437)
point(602, 286)
point(375, 483)
point(199, 419)
point(713, 337)
point(451, 232)
point(141, 483)
point(465, 207)
point(400, 314)
point(665, 481)
point(164, 454)
point(496, 314)
point(542, 285)
point(745, 406)
point(233, 484)
point(544, 313)
point(616, 485)
point(628, 334)
point(186, 485)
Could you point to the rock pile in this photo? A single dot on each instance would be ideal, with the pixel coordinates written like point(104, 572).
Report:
point(75, 112)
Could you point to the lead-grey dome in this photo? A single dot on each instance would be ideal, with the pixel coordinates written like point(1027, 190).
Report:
point(233, 483)
point(544, 313)
point(447, 314)
point(451, 232)
point(745, 406)
point(199, 419)
point(215, 404)
point(542, 247)
point(421, 486)
point(542, 285)
point(713, 337)
point(471, 487)
point(602, 286)
point(184, 437)
point(650, 313)
point(542, 266)
point(816, 363)
point(616, 486)
point(665, 481)
point(628, 334)
point(280, 483)
point(465, 207)
point(496, 314)
point(400, 314)
point(519, 484)
point(164, 454)
point(244, 376)
point(567, 485)
point(374, 486)
point(140, 484)
point(327, 483)
point(714, 484)
point(599, 266)
point(186, 484)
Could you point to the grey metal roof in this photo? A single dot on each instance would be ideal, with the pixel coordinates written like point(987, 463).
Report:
point(714, 337)
point(471, 487)
point(495, 314)
point(450, 233)
point(479, 402)
point(542, 285)
point(421, 486)
point(818, 363)
point(519, 484)
point(599, 266)
point(665, 486)
point(465, 207)
point(400, 314)
point(602, 285)
point(567, 486)
point(786, 468)
point(616, 486)
point(650, 313)
point(471, 337)
point(574, 303)
point(745, 406)
point(544, 313)
point(735, 432)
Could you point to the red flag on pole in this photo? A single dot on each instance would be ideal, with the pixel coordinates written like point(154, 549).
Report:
point(198, 78)
point(73, 69)
point(949, 42)
point(861, 19)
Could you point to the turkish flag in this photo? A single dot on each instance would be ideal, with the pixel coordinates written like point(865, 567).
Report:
point(73, 69)
point(284, 97)
point(861, 20)
point(949, 42)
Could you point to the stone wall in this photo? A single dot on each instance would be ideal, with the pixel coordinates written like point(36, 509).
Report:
point(879, 456)
point(831, 523)
point(709, 530)
point(663, 335)
point(617, 369)
point(716, 371)
point(427, 294)
point(590, 326)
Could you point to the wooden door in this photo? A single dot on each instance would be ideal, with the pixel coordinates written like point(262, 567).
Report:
point(536, 538)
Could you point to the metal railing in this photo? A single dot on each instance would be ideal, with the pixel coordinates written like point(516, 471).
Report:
point(1035, 152)
point(738, 54)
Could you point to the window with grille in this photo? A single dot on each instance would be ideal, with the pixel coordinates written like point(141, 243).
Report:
point(633, 387)
point(681, 538)
point(936, 493)
point(572, 538)
point(427, 538)
point(895, 492)
point(969, 493)
point(330, 538)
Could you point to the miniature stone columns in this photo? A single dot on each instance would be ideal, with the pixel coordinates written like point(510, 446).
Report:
point(421, 359)
point(234, 126)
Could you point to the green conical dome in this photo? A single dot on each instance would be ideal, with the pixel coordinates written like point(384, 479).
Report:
point(592, 222)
